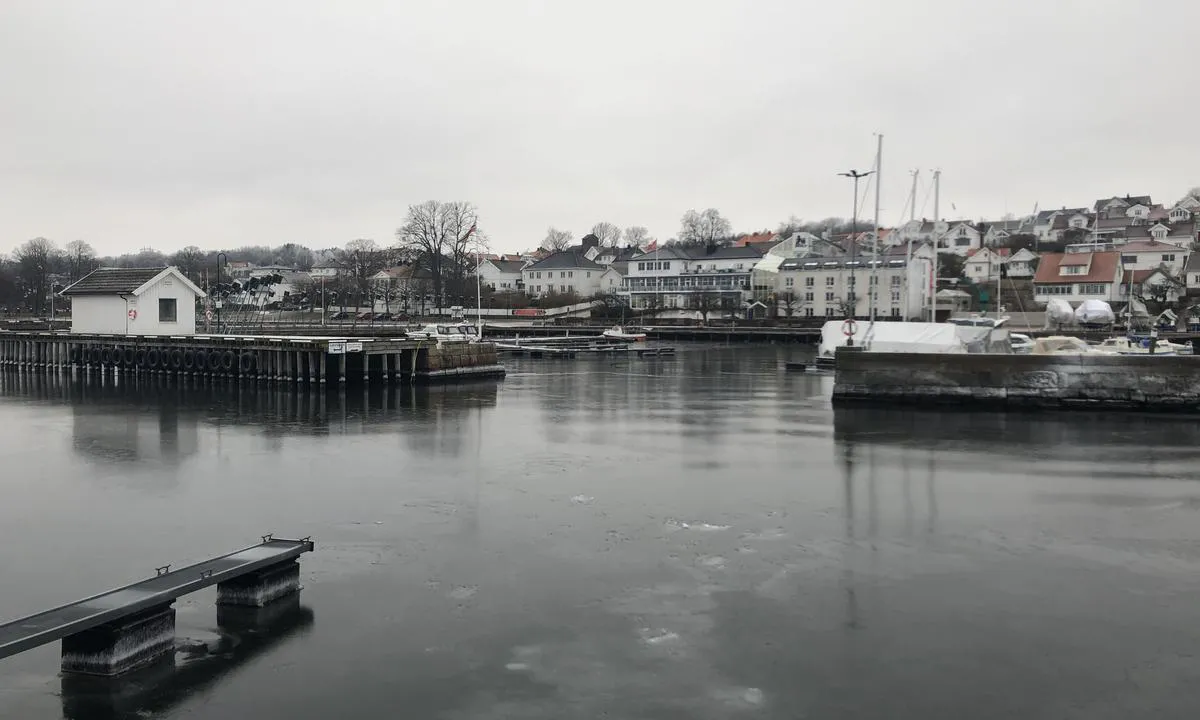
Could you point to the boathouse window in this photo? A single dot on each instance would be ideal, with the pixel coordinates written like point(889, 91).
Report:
point(166, 310)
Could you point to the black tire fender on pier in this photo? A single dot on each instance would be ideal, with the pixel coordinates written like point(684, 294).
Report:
point(214, 360)
point(246, 362)
point(139, 358)
point(154, 358)
point(189, 359)
point(106, 356)
point(228, 361)
point(176, 356)
point(128, 357)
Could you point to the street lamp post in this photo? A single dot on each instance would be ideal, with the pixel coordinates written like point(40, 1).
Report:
point(856, 176)
point(217, 288)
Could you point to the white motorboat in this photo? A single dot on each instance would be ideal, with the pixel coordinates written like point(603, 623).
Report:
point(1067, 345)
point(624, 334)
point(1135, 346)
point(470, 332)
point(441, 333)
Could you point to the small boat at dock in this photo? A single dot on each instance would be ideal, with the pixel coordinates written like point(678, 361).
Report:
point(624, 334)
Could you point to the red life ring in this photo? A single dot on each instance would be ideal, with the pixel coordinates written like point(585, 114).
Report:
point(133, 313)
point(849, 327)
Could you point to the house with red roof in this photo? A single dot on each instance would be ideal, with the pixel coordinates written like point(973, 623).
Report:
point(1078, 276)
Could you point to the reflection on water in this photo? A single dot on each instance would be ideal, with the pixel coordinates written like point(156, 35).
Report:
point(700, 537)
point(245, 634)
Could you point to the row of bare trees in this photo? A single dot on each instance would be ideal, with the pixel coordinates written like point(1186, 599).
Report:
point(29, 275)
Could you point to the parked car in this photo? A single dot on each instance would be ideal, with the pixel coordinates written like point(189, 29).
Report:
point(340, 315)
point(383, 316)
point(365, 315)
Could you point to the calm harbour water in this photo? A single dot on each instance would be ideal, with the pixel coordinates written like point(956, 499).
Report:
point(696, 537)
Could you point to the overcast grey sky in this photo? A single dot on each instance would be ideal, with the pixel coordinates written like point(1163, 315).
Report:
point(221, 123)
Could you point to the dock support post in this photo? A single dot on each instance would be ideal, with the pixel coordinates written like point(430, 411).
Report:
point(324, 367)
point(121, 645)
point(386, 362)
point(297, 366)
point(342, 369)
point(366, 368)
point(261, 587)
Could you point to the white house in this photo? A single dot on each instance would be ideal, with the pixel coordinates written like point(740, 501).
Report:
point(673, 276)
point(1078, 276)
point(570, 271)
point(134, 301)
point(502, 275)
point(1150, 254)
point(983, 264)
point(1021, 263)
point(960, 238)
point(1148, 283)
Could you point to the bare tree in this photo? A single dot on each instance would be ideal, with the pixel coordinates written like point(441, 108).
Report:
point(80, 258)
point(361, 259)
point(636, 236)
point(704, 303)
point(789, 303)
point(35, 261)
point(608, 234)
point(189, 260)
point(557, 240)
point(433, 232)
point(703, 228)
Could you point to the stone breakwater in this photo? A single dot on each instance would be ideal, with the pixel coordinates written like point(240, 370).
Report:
point(1086, 382)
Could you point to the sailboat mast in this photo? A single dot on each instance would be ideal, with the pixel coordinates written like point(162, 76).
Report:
point(937, 199)
point(912, 217)
point(875, 259)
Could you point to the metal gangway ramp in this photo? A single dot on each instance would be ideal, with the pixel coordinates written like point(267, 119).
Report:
point(60, 622)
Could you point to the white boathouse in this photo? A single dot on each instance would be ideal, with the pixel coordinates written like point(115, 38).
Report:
point(134, 301)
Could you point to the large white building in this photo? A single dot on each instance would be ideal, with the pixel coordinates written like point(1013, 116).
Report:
point(687, 278)
point(134, 301)
point(895, 286)
point(573, 271)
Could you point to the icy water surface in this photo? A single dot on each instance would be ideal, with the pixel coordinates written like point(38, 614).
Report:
point(696, 537)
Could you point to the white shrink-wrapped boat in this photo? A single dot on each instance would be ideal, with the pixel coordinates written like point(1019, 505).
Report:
point(1094, 313)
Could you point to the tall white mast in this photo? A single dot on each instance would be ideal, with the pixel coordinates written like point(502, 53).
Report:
point(937, 216)
point(875, 258)
point(912, 216)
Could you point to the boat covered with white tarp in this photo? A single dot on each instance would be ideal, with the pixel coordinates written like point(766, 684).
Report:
point(913, 337)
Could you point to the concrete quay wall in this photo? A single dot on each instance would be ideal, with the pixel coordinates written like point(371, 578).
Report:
point(1088, 382)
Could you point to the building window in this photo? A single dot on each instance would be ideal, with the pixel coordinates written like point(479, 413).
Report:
point(1052, 289)
point(962, 241)
point(830, 312)
point(589, 273)
point(166, 310)
point(828, 297)
point(790, 282)
point(851, 280)
point(895, 312)
point(667, 265)
point(808, 312)
point(808, 296)
point(895, 281)
point(895, 296)
point(874, 279)
point(1168, 258)
point(829, 281)
point(562, 288)
point(1129, 259)
point(1093, 289)
point(808, 282)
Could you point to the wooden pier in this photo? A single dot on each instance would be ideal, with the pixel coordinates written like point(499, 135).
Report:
point(131, 626)
point(313, 360)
